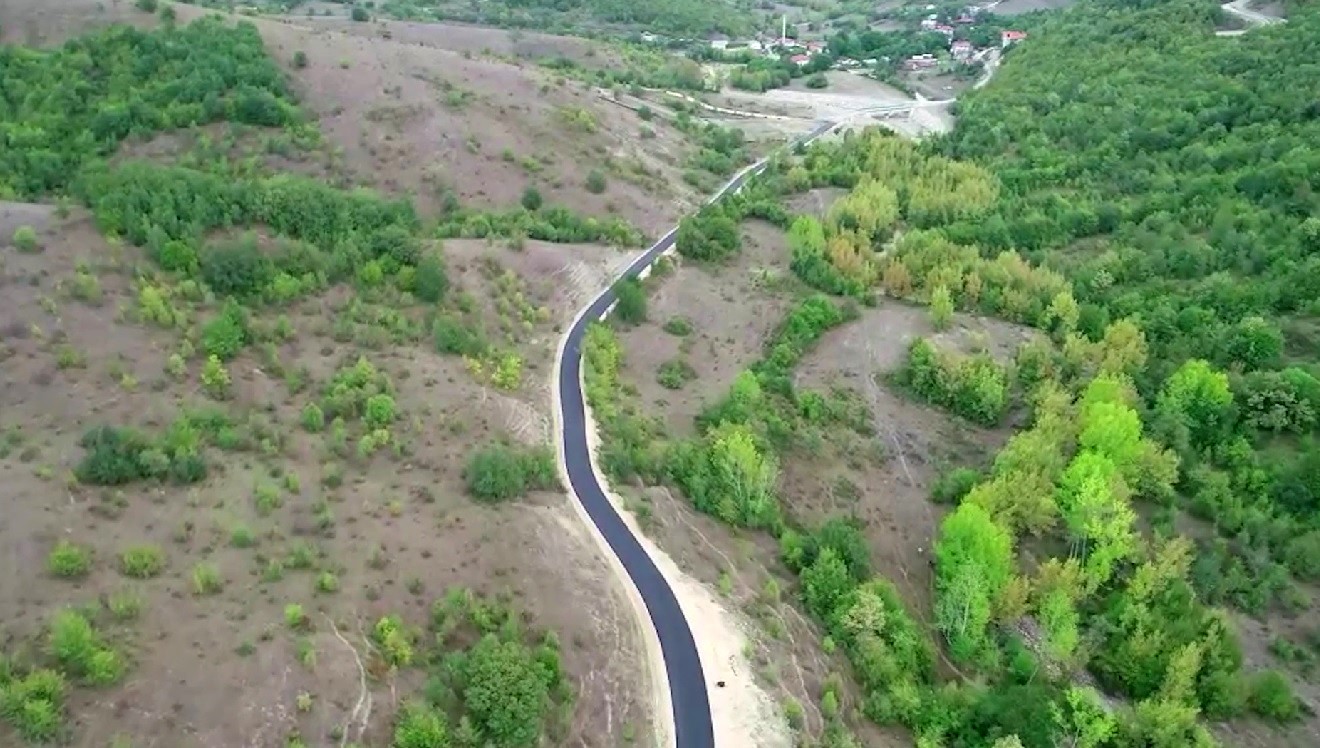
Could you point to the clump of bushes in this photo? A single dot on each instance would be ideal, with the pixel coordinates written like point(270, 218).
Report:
point(34, 703)
point(78, 648)
point(116, 456)
point(500, 472)
point(974, 387)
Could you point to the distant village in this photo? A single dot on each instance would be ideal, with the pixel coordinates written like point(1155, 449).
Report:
point(802, 53)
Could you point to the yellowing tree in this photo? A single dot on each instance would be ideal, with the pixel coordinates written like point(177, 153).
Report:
point(941, 307)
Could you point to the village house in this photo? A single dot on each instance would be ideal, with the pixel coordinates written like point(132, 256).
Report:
point(1011, 37)
point(719, 41)
point(961, 49)
point(800, 60)
point(921, 62)
point(930, 22)
point(944, 29)
point(815, 48)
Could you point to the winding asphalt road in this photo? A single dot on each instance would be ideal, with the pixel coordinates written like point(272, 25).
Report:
point(687, 684)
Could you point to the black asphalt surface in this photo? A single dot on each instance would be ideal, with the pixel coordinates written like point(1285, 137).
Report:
point(687, 684)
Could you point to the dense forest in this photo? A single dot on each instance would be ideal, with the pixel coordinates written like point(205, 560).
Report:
point(690, 18)
point(1174, 177)
point(1144, 194)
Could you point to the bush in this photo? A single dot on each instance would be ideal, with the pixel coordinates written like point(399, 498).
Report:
point(236, 268)
point(313, 418)
point(596, 182)
point(499, 473)
point(710, 235)
point(420, 726)
point(680, 326)
point(35, 705)
point(25, 239)
point(953, 485)
point(147, 6)
point(1272, 697)
point(226, 334)
point(75, 644)
point(452, 336)
point(117, 456)
point(674, 374)
point(631, 308)
point(142, 562)
point(300, 59)
point(360, 14)
point(69, 561)
point(206, 579)
point(817, 81)
point(531, 199)
point(431, 281)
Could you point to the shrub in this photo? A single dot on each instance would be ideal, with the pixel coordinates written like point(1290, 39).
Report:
point(327, 583)
point(142, 561)
point(499, 473)
point(817, 81)
point(206, 579)
point(675, 373)
point(1272, 697)
point(420, 726)
point(953, 485)
point(25, 239)
point(226, 334)
point(34, 705)
point(236, 268)
point(359, 13)
point(380, 411)
point(300, 59)
point(75, 644)
point(631, 296)
point(146, 6)
point(596, 182)
point(431, 280)
point(393, 641)
point(452, 336)
point(531, 199)
point(69, 561)
point(114, 457)
point(679, 326)
point(215, 378)
point(313, 418)
point(295, 617)
point(709, 235)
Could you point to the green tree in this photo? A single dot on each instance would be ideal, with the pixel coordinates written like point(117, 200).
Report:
point(631, 295)
point(1198, 397)
point(531, 199)
point(507, 692)
point(1082, 719)
point(973, 563)
point(826, 583)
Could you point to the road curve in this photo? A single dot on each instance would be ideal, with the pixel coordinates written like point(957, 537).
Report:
point(689, 700)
